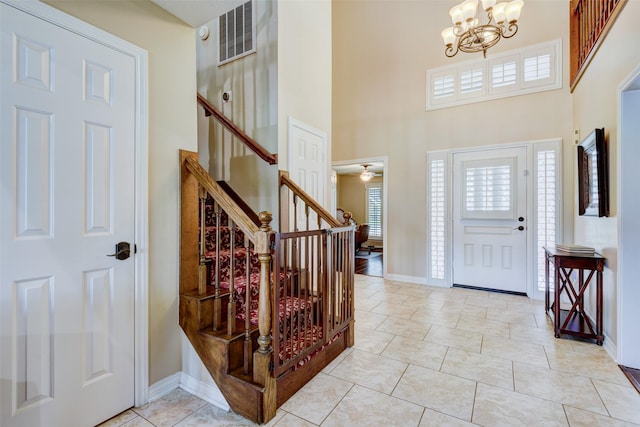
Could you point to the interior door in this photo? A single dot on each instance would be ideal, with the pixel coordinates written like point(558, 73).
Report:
point(307, 165)
point(489, 219)
point(67, 197)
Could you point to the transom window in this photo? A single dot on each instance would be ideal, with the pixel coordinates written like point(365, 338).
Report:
point(503, 74)
point(533, 69)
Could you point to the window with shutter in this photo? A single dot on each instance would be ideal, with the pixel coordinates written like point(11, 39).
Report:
point(488, 188)
point(374, 210)
point(437, 218)
point(546, 183)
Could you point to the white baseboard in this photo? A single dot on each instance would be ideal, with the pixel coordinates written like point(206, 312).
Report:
point(204, 391)
point(610, 348)
point(186, 382)
point(409, 279)
point(164, 386)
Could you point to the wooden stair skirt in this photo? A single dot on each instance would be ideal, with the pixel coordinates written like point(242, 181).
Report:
point(232, 270)
point(222, 356)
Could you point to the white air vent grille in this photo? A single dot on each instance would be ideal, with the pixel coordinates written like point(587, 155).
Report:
point(237, 33)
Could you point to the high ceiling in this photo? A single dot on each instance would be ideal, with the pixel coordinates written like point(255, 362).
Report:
point(197, 12)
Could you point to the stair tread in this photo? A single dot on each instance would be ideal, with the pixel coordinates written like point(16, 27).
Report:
point(222, 332)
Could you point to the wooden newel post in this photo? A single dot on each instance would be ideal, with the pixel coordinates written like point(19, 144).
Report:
point(264, 298)
point(262, 357)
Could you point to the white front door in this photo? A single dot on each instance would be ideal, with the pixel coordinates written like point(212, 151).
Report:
point(67, 132)
point(489, 219)
point(307, 166)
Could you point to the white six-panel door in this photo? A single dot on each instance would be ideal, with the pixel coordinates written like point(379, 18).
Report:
point(67, 197)
point(489, 219)
point(308, 165)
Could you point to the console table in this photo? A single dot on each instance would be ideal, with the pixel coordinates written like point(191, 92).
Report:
point(575, 320)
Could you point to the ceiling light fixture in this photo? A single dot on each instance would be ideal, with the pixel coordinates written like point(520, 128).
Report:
point(468, 35)
point(366, 174)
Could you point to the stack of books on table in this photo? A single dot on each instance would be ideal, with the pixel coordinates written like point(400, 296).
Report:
point(576, 249)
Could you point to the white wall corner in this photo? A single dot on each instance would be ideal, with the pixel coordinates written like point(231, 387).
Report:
point(204, 391)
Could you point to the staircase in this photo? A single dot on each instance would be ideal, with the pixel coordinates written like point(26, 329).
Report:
point(265, 310)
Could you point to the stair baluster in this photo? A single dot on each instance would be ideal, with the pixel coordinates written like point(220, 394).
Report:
point(248, 347)
point(202, 267)
point(231, 310)
point(217, 301)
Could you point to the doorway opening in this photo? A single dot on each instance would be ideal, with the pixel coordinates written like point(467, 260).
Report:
point(359, 187)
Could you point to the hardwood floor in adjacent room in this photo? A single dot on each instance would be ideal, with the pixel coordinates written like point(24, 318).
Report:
point(371, 266)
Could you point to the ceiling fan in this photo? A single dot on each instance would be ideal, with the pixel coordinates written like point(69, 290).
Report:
point(367, 174)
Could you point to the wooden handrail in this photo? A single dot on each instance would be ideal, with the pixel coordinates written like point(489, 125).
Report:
point(227, 203)
point(315, 206)
point(210, 110)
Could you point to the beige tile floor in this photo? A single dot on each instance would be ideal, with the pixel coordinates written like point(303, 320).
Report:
point(439, 357)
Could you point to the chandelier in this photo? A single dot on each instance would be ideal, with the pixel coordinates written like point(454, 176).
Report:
point(468, 35)
point(366, 174)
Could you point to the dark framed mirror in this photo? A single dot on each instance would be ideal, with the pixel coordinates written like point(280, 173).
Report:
point(593, 175)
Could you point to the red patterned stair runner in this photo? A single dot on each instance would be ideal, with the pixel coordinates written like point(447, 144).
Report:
point(289, 308)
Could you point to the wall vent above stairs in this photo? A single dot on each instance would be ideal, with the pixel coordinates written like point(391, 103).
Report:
point(237, 29)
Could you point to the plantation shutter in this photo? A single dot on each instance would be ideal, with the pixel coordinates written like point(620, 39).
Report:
point(374, 210)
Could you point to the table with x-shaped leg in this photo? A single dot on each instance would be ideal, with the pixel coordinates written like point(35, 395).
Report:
point(575, 320)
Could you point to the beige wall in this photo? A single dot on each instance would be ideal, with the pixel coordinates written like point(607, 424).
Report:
point(172, 125)
point(304, 72)
point(381, 54)
point(352, 195)
point(595, 105)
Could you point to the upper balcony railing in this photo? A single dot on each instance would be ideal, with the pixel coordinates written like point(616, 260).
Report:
point(590, 20)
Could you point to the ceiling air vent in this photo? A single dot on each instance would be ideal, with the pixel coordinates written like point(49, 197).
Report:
point(237, 33)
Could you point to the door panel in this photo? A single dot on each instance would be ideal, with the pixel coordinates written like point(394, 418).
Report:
point(308, 165)
point(67, 170)
point(489, 219)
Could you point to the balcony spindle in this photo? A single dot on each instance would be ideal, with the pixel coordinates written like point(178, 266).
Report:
point(590, 20)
